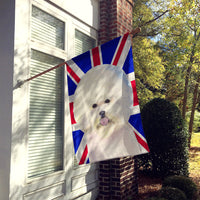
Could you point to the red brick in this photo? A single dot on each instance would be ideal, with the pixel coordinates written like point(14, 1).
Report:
point(118, 178)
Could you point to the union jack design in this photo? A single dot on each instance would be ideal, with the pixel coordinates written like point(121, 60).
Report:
point(117, 52)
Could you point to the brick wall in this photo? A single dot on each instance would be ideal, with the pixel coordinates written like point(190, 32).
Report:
point(117, 177)
point(115, 18)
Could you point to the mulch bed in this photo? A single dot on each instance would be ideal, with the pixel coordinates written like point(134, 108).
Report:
point(149, 186)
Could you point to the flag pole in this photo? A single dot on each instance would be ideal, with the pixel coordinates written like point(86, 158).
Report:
point(133, 33)
point(20, 83)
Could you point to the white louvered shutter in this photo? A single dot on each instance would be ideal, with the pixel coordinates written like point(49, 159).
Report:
point(45, 138)
point(83, 42)
point(45, 146)
point(46, 28)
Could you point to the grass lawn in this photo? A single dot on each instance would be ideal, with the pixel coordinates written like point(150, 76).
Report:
point(195, 142)
point(194, 160)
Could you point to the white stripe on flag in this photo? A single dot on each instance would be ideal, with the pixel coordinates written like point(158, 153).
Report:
point(75, 68)
point(76, 127)
point(86, 158)
point(124, 53)
point(72, 79)
point(135, 110)
point(71, 98)
point(139, 134)
point(131, 76)
point(81, 148)
point(141, 141)
point(91, 58)
point(114, 56)
point(100, 55)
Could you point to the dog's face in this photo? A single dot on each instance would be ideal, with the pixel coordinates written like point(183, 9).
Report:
point(102, 100)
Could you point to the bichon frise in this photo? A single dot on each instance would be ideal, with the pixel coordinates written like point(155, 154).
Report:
point(102, 105)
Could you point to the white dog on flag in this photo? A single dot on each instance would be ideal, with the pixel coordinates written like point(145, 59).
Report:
point(102, 107)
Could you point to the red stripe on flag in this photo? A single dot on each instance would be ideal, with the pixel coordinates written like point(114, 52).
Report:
point(135, 97)
point(84, 156)
point(73, 74)
point(71, 108)
point(120, 49)
point(142, 142)
point(96, 56)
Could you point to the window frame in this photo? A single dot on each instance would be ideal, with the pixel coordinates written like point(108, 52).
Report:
point(55, 52)
point(67, 53)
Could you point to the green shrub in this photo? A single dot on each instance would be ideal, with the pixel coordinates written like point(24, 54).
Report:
point(167, 138)
point(171, 193)
point(183, 183)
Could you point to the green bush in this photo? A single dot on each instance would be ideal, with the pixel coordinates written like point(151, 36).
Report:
point(167, 138)
point(183, 183)
point(171, 193)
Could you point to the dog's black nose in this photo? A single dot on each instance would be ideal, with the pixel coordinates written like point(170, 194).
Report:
point(102, 113)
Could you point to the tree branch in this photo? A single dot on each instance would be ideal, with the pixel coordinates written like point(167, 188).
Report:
point(151, 88)
point(150, 21)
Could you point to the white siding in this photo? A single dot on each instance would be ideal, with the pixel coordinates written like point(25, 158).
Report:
point(87, 11)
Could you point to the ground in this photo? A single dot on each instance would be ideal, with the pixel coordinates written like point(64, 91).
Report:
point(194, 162)
point(149, 186)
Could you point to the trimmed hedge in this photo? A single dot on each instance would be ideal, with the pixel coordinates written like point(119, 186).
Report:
point(167, 138)
point(183, 183)
point(171, 193)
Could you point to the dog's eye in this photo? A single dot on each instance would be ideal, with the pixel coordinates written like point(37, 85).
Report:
point(94, 105)
point(107, 101)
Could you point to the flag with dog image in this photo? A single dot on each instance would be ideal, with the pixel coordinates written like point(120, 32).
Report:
point(103, 103)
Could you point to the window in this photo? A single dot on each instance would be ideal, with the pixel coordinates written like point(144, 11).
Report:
point(47, 29)
point(46, 104)
point(83, 42)
point(46, 107)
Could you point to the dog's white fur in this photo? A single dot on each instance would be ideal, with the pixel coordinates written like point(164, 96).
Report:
point(114, 138)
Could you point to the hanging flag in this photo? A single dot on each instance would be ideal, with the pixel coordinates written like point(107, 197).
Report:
point(103, 103)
